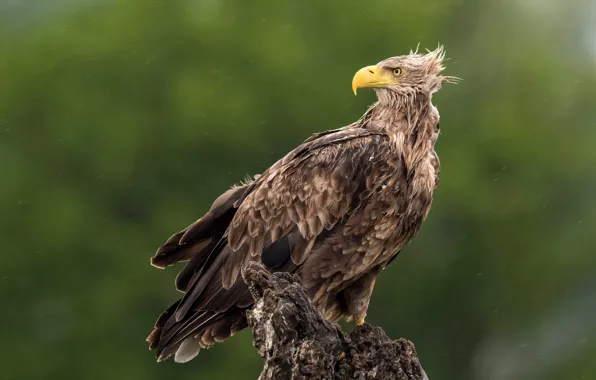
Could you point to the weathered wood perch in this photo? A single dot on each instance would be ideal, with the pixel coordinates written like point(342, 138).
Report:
point(297, 343)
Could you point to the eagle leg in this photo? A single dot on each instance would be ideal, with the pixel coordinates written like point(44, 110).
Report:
point(357, 296)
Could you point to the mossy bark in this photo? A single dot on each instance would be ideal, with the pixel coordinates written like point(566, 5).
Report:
point(298, 344)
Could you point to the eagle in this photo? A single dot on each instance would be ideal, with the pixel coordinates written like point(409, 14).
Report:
point(335, 211)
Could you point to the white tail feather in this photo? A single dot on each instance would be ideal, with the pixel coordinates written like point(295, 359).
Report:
point(188, 350)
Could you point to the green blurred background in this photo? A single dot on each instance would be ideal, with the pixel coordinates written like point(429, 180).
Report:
point(120, 121)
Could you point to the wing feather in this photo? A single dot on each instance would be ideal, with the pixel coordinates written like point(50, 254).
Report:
point(310, 190)
point(293, 217)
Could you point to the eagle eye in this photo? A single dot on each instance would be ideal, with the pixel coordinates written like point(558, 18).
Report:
point(397, 71)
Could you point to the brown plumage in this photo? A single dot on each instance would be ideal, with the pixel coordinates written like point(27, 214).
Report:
point(335, 210)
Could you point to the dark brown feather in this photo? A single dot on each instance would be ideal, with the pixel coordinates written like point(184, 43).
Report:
point(191, 241)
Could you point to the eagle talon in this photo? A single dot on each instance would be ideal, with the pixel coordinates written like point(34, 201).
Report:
point(360, 321)
point(341, 356)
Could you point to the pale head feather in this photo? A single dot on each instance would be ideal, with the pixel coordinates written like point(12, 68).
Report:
point(421, 73)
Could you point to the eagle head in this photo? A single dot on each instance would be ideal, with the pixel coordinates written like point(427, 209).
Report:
point(404, 75)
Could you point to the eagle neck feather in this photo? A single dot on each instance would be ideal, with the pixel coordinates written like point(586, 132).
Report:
point(409, 120)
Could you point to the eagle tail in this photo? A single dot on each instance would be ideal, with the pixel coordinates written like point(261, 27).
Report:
point(185, 339)
point(207, 313)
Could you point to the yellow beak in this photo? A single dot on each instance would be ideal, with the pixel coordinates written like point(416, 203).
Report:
point(371, 76)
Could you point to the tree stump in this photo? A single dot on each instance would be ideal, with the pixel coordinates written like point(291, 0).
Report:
point(298, 344)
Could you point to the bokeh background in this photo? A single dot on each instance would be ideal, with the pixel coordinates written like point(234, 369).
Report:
point(120, 121)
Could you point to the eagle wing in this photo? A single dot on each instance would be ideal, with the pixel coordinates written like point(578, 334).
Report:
point(306, 193)
point(275, 219)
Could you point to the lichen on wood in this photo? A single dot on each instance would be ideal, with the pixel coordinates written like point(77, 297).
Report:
point(298, 344)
